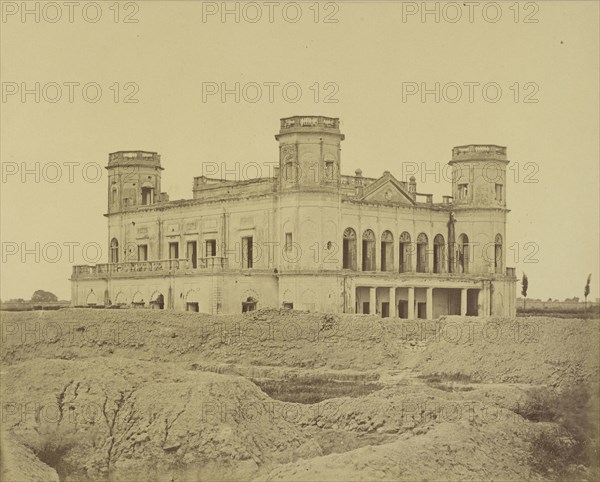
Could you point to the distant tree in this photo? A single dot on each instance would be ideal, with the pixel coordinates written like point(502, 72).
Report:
point(586, 290)
point(524, 286)
point(41, 296)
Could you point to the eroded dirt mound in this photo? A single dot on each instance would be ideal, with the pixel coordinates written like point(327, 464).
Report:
point(463, 450)
point(416, 408)
point(19, 463)
point(109, 417)
point(531, 350)
point(158, 395)
point(263, 338)
point(553, 352)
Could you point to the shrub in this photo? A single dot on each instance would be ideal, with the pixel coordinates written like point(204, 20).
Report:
point(574, 440)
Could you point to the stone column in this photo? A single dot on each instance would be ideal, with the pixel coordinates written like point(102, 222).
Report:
point(411, 303)
point(372, 301)
point(393, 307)
point(359, 252)
point(429, 304)
point(396, 256)
point(486, 300)
point(463, 302)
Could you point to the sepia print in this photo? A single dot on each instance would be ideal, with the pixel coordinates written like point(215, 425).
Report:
point(299, 241)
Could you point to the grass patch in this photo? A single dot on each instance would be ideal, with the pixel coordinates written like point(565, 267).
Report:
point(314, 389)
point(572, 446)
point(592, 312)
point(449, 382)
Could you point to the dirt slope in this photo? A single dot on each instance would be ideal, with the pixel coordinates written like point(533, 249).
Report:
point(119, 417)
point(112, 394)
point(531, 350)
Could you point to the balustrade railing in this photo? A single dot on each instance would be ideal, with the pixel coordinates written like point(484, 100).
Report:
point(162, 266)
point(475, 150)
point(310, 121)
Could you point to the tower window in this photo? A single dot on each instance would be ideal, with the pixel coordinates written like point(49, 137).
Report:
point(147, 195)
point(288, 242)
point(499, 193)
point(114, 251)
point(329, 169)
point(463, 191)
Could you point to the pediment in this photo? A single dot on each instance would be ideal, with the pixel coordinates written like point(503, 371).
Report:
point(387, 189)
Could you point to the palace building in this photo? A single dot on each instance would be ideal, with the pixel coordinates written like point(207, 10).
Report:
point(307, 237)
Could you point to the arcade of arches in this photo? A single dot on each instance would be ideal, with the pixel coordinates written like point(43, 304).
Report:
point(412, 257)
point(405, 256)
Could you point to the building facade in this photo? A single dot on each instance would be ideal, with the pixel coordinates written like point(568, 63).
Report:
point(307, 237)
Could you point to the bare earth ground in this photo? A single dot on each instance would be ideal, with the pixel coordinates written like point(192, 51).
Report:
point(131, 395)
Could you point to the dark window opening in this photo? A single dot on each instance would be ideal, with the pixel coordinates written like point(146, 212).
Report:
point(147, 195)
point(114, 251)
point(499, 192)
point(211, 247)
point(173, 250)
point(249, 305)
point(158, 303)
point(349, 249)
point(368, 251)
point(192, 253)
point(247, 252)
point(387, 251)
point(142, 252)
point(438, 254)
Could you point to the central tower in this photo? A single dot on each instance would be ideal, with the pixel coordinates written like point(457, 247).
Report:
point(309, 151)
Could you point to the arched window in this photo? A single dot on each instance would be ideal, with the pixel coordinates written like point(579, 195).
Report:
point(368, 251)
point(498, 254)
point(404, 255)
point(249, 305)
point(463, 254)
point(422, 242)
point(157, 301)
point(91, 298)
point(114, 250)
point(438, 254)
point(387, 251)
point(349, 249)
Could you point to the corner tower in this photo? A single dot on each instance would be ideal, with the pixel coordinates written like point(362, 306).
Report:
point(133, 179)
point(479, 175)
point(309, 151)
point(479, 203)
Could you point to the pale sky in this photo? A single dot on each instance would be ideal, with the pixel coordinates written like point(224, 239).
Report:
point(363, 61)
